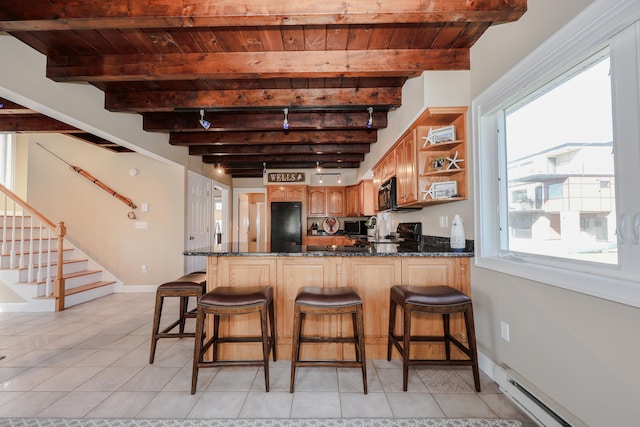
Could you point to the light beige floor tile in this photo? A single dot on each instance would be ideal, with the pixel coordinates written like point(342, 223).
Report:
point(463, 406)
point(8, 372)
point(350, 380)
point(150, 379)
point(503, 407)
point(232, 378)
point(29, 403)
point(443, 380)
point(279, 376)
point(103, 357)
point(218, 404)
point(110, 378)
point(169, 404)
point(128, 342)
point(316, 379)
point(260, 404)
point(182, 380)
point(29, 379)
point(359, 405)
point(137, 357)
point(122, 404)
point(414, 405)
point(7, 396)
point(392, 381)
point(316, 404)
point(28, 357)
point(68, 379)
point(74, 405)
point(70, 357)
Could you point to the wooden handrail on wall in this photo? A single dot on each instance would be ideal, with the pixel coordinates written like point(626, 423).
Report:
point(10, 224)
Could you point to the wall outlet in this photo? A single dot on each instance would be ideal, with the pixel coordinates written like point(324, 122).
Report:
point(444, 221)
point(504, 330)
point(144, 269)
point(141, 225)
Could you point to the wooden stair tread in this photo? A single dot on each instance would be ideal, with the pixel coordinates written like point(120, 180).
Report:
point(88, 287)
point(55, 263)
point(70, 275)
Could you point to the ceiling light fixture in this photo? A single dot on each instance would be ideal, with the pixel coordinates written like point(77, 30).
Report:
point(370, 121)
point(264, 168)
point(219, 169)
point(336, 174)
point(318, 167)
point(339, 179)
point(205, 124)
point(320, 180)
point(285, 123)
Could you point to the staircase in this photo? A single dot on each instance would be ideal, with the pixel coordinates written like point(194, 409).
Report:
point(33, 252)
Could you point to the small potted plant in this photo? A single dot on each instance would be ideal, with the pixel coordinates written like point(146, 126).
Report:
point(371, 225)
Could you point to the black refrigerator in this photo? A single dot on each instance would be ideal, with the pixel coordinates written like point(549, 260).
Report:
point(286, 226)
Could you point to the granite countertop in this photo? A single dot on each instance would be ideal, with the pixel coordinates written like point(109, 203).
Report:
point(432, 247)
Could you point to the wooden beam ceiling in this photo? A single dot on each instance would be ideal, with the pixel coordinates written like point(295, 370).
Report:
point(244, 63)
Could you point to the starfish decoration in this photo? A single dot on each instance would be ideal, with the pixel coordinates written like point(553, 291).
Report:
point(427, 193)
point(454, 161)
point(428, 139)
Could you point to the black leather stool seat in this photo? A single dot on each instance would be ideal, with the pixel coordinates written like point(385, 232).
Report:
point(327, 297)
point(232, 301)
point(231, 296)
point(189, 285)
point(328, 301)
point(429, 295)
point(443, 300)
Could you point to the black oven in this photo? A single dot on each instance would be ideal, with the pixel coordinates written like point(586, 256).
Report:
point(355, 228)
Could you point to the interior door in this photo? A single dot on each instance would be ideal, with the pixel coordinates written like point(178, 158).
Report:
point(199, 218)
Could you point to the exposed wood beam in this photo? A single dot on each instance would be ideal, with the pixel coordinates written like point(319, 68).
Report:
point(251, 65)
point(11, 108)
point(274, 137)
point(281, 158)
point(33, 123)
point(262, 120)
point(30, 15)
point(159, 101)
point(301, 165)
point(275, 150)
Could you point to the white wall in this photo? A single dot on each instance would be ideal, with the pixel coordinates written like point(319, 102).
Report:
point(96, 221)
point(580, 350)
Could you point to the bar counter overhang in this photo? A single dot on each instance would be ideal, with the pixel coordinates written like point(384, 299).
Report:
point(371, 270)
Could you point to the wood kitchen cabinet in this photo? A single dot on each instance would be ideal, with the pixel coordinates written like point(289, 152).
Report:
point(286, 193)
point(329, 240)
point(360, 199)
point(327, 201)
point(352, 193)
point(406, 168)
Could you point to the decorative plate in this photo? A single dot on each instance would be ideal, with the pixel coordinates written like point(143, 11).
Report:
point(331, 224)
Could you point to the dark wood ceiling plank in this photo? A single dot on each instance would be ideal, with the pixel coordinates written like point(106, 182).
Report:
point(278, 149)
point(81, 14)
point(293, 158)
point(167, 100)
point(274, 137)
point(33, 123)
point(277, 165)
point(234, 65)
point(262, 120)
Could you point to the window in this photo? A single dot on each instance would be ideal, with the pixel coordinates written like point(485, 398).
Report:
point(557, 152)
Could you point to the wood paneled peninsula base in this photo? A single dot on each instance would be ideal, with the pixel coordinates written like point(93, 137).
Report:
point(371, 275)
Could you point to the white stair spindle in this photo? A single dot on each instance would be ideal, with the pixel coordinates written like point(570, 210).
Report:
point(12, 254)
point(40, 271)
point(5, 244)
point(21, 259)
point(48, 282)
point(31, 257)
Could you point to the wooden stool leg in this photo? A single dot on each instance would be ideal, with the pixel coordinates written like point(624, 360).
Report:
point(184, 302)
point(197, 348)
point(156, 327)
point(406, 346)
point(359, 330)
point(447, 335)
point(392, 325)
point(264, 327)
point(295, 345)
point(272, 322)
point(471, 338)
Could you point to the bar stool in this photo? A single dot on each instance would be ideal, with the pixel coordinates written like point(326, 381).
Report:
point(189, 285)
point(442, 300)
point(233, 301)
point(328, 301)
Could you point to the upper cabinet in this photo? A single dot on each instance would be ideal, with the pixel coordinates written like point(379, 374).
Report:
point(360, 199)
point(428, 159)
point(283, 193)
point(327, 201)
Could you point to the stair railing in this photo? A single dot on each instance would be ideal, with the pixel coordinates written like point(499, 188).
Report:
point(19, 217)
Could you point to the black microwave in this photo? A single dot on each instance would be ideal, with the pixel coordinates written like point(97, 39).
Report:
point(387, 200)
point(355, 228)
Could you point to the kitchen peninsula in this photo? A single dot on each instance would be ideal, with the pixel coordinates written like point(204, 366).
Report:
point(371, 270)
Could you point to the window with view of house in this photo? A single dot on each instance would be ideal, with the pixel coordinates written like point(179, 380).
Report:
point(558, 161)
point(6, 159)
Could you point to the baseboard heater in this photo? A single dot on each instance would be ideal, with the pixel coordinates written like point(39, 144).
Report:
point(538, 405)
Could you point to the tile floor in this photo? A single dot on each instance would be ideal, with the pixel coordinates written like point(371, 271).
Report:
point(91, 361)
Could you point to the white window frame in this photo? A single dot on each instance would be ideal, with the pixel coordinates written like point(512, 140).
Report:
point(604, 22)
point(7, 159)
